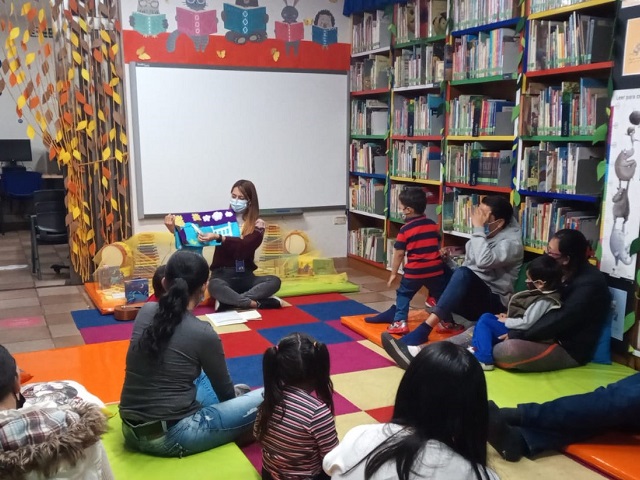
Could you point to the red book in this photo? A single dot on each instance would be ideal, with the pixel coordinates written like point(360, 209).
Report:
point(290, 32)
point(196, 23)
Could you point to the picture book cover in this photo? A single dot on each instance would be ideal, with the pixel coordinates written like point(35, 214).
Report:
point(136, 290)
point(149, 24)
point(196, 23)
point(189, 225)
point(324, 36)
point(245, 20)
point(290, 32)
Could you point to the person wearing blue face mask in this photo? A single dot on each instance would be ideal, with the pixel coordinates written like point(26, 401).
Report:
point(233, 282)
point(484, 282)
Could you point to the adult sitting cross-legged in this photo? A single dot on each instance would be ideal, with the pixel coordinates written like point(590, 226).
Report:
point(482, 284)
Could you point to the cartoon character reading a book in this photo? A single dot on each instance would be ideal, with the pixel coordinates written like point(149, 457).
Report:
point(195, 22)
point(246, 21)
point(147, 19)
point(324, 30)
point(290, 30)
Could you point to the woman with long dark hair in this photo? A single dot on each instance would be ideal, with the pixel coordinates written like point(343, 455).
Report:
point(417, 443)
point(233, 282)
point(178, 397)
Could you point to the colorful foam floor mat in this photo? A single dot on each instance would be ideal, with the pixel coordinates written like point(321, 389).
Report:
point(365, 380)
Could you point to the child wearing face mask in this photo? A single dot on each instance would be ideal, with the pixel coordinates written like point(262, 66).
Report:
point(233, 283)
point(419, 240)
point(544, 278)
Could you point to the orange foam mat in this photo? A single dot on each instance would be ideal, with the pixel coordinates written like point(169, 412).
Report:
point(614, 454)
point(99, 367)
point(104, 303)
point(372, 331)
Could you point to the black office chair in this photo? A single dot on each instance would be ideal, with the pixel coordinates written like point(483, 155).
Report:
point(18, 185)
point(54, 195)
point(48, 228)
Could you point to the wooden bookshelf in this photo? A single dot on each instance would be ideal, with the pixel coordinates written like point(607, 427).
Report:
point(561, 196)
point(380, 176)
point(413, 88)
point(418, 138)
point(558, 138)
point(568, 9)
point(590, 68)
point(422, 181)
point(484, 188)
point(482, 138)
point(512, 22)
point(492, 79)
point(369, 93)
point(369, 137)
point(420, 41)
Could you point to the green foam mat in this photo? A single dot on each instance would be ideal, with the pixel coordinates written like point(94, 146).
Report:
point(508, 388)
point(226, 461)
point(294, 288)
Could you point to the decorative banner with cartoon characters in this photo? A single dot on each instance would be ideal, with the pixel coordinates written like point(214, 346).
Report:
point(621, 224)
point(298, 34)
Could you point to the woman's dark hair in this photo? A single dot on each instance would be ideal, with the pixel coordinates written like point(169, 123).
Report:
point(414, 197)
point(500, 208)
point(8, 372)
point(250, 215)
point(442, 396)
point(545, 268)
point(156, 281)
point(573, 245)
point(297, 361)
point(185, 274)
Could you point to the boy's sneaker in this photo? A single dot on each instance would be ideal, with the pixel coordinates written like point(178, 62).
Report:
point(241, 389)
point(398, 328)
point(446, 327)
point(271, 302)
point(487, 367)
point(430, 302)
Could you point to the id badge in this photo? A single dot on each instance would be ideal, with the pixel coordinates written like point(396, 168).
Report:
point(240, 266)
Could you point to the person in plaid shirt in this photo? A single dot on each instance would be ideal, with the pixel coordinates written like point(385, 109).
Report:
point(48, 441)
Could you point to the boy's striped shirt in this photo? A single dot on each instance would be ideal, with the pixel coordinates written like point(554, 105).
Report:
point(420, 238)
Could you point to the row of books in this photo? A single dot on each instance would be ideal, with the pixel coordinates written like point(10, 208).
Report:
point(367, 157)
point(371, 31)
point(369, 117)
point(395, 210)
point(423, 115)
point(544, 5)
point(580, 39)
point(469, 164)
point(486, 54)
point(570, 168)
point(457, 208)
point(571, 108)
point(541, 219)
point(420, 19)
point(473, 13)
point(478, 115)
point(367, 243)
point(367, 195)
point(370, 74)
point(415, 160)
point(420, 65)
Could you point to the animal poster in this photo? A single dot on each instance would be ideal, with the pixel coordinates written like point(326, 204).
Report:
point(631, 56)
point(618, 305)
point(621, 222)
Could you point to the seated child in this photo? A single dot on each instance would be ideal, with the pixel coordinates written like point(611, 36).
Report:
point(296, 429)
point(544, 278)
point(420, 240)
point(156, 283)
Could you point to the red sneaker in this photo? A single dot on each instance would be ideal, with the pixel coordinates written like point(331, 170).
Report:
point(446, 327)
point(430, 302)
point(398, 328)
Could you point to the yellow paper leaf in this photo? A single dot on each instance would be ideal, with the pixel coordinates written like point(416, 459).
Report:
point(74, 39)
point(75, 212)
point(105, 36)
point(90, 234)
point(114, 81)
point(40, 38)
point(21, 101)
point(31, 132)
point(114, 204)
point(74, 247)
point(112, 134)
point(101, 115)
point(30, 58)
point(106, 153)
point(14, 33)
point(144, 56)
point(41, 15)
point(76, 155)
point(118, 155)
point(221, 53)
point(123, 138)
point(85, 74)
point(105, 182)
point(13, 65)
point(91, 127)
point(86, 218)
point(115, 48)
point(70, 74)
point(140, 51)
point(58, 135)
point(25, 37)
point(65, 157)
point(25, 8)
point(116, 98)
point(76, 57)
point(21, 77)
point(81, 125)
point(83, 24)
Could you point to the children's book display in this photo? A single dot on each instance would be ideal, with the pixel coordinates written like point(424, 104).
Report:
point(189, 225)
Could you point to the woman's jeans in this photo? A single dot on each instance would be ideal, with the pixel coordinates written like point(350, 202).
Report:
point(239, 289)
point(213, 425)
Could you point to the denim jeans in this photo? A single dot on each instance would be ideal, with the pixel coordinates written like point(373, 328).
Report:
point(238, 289)
point(485, 336)
point(558, 423)
point(468, 296)
point(410, 286)
point(213, 425)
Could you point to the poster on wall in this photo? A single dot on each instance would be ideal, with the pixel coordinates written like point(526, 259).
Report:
point(631, 57)
point(618, 305)
point(621, 224)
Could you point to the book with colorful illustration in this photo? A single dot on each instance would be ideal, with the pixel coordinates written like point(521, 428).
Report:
point(189, 225)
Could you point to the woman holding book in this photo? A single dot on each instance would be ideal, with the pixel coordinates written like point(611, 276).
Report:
point(233, 282)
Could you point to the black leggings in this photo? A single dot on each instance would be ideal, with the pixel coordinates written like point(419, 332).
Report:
point(320, 476)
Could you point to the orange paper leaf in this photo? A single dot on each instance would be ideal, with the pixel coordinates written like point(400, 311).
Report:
point(88, 109)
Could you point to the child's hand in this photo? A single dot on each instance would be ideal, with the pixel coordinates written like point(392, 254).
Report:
point(502, 317)
point(503, 337)
point(445, 252)
point(170, 222)
point(392, 278)
point(479, 216)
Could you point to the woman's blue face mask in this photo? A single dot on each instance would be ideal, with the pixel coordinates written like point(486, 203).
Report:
point(238, 205)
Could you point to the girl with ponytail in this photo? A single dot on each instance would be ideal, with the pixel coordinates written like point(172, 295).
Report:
point(296, 429)
point(178, 397)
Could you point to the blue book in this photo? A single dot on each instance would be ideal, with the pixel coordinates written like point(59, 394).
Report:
point(189, 225)
point(324, 36)
point(245, 20)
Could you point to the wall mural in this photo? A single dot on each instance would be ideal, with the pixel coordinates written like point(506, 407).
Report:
point(298, 34)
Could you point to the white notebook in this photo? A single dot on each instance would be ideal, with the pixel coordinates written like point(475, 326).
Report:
point(232, 317)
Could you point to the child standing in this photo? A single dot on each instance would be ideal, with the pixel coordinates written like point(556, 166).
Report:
point(544, 278)
point(420, 241)
point(295, 428)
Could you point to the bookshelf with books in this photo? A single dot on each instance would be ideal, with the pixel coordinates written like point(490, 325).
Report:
point(563, 118)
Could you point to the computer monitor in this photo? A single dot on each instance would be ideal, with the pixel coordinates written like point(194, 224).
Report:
point(15, 151)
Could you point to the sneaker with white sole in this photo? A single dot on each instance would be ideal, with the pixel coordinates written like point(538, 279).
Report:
point(487, 367)
point(397, 350)
point(398, 328)
point(269, 303)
